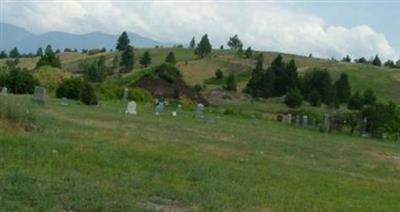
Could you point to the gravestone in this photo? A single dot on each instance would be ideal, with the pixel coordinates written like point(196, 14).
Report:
point(125, 96)
point(305, 121)
point(326, 123)
point(64, 101)
point(364, 126)
point(39, 95)
point(289, 118)
point(159, 108)
point(298, 120)
point(199, 111)
point(131, 108)
point(173, 113)
point(4, 91)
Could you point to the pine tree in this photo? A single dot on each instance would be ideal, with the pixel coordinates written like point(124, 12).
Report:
point(376, 61)
point(279, 69)
point(293, 98)
point(219, 74)
point(123, 42)
point(253, 85)
point(14, 53)
point(127, 60)
point(49, 58)
point(231, 84)
point(291, 75)
point(192, 43)
point(3, 54)
point(314, 99)
point(39, 52)
point(356, 102)
point(346, 59)
point(369, 97)
point(234, 42)
point(204, 47)
point(249, 52)
point(170, 58)
point(343, 89)
point(145, 60)
point(87, 95)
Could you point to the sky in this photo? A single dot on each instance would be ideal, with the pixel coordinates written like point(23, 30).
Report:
point(323, 28)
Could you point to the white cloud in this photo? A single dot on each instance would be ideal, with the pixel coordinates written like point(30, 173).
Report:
point(265, 26)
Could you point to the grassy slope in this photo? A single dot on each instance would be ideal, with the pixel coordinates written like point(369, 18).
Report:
point(96, 158)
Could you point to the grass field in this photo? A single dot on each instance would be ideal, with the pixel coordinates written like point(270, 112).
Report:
point(97, 158)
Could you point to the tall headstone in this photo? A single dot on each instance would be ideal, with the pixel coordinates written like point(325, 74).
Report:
point(4, 91)
point(364, 126)
point(131, 108)
point(159, 108)
point(39, 95)
point(289, 118)
point(199, 111)
point(326, 123)
point(305, 121)
point(125, 96)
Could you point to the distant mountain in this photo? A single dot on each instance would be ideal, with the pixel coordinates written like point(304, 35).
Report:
point(13, 36)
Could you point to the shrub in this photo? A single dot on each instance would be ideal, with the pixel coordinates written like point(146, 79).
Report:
point(219, 74)
point(70, 89)
point(314, 99)
point(87, 94)
point(231, 83)
point(356, 101)
point(293, 98)
point(20, 81)
point(167, 72)
point(139, 95)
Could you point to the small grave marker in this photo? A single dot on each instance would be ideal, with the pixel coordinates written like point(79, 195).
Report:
point(199, 111)
point(131, 108)
point(39, 95)
point(4, 91)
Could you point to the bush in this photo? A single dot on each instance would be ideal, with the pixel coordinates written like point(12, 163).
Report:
point(70, 89)
point(139, 95)
point(314, 99)
point(293, 98)
point(20, 81)
point(231, 84)
point(219, 74)
point(87, 94)
point(356, 101)
point(167, 72)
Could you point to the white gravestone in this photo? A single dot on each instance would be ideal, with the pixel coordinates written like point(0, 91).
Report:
point(200, 111)
point(289, 118)
point(305, 121)
point(131, 108)
point(4, 91)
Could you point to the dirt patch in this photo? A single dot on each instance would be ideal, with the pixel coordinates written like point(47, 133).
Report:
point(165, 205)
point(175, 89)
point(396, 77)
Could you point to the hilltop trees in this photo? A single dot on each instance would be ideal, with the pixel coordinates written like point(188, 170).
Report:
point(3, 54)
point(14, 53)
point(145, 60)
point(249, 52)
point(204, 47)
point(346, 59)
point(95, 71)
point(39, 52)
point(376, 61)
point(234, 42)
point(123, 42)
point(192, 43)
point(49, 58)
point(127, 60)
point(318, 81)
point(170, 58)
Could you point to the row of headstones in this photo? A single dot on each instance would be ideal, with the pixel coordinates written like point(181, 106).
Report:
point(160, 105)
point(39, 94)
point(327, 122)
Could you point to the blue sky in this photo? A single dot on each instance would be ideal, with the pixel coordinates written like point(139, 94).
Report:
point(323, 28)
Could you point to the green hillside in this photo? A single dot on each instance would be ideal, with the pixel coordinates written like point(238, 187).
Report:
point(97, 158)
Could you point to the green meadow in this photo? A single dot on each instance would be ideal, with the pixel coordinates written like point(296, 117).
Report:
point(96, 158)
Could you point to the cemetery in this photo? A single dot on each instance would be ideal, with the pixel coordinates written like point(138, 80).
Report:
point(170, 126)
